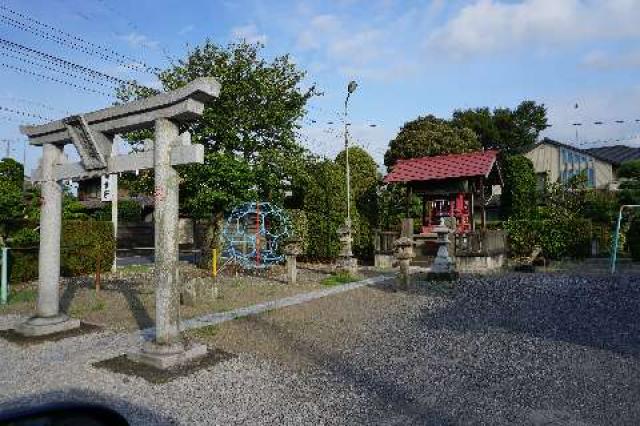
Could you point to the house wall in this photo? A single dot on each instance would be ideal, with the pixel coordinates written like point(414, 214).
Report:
point(547, 159)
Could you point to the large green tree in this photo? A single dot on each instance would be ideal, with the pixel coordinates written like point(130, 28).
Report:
point(504, 129)
point(249, 131)
point(427, 136)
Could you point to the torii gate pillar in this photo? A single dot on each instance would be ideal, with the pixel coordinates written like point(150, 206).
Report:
point(48, 318)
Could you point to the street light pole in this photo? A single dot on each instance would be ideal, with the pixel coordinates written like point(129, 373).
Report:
point(350, 89)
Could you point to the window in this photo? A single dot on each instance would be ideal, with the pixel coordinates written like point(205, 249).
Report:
point(591, 176)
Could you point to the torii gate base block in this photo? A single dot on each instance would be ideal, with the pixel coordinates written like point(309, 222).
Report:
point(41, 326)
point(168, 356)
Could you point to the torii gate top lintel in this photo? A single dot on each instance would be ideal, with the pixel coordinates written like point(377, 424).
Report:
point(183, 104)
point(92, 133)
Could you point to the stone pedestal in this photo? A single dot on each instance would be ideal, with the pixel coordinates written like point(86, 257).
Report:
point(41, 326)
point(198, 290)
point(443, 265)
point(292, 249)
point(346, 262)
point(166, 356)
point(403, 251)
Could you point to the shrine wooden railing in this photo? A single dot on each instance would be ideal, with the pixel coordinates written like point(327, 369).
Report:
point(480, 243)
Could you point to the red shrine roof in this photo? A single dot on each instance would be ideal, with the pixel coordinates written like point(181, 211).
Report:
point(479, 163)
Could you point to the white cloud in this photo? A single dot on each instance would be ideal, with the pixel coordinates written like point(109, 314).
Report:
point(354, 50)
point(320, 26)
point(249, 33)
point(186, 30)
point(495, 25)
point(605, 61)
point(140, 40)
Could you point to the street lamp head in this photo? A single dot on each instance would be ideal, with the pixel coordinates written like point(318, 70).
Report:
point(352, 86)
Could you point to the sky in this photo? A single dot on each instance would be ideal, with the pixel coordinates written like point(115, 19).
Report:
point(580, 58)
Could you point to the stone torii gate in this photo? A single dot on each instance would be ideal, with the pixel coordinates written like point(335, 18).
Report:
point(92, 134)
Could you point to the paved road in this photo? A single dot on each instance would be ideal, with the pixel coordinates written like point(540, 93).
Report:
point(519, 349)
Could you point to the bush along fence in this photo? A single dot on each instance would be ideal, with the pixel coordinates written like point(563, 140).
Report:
point(558, 239)
point(86, 247)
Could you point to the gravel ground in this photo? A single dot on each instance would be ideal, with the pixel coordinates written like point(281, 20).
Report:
point(515, 349)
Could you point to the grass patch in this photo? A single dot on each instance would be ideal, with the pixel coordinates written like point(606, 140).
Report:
point(99, 305)
point(205, 332)
point(339, 279)
point(22, 296)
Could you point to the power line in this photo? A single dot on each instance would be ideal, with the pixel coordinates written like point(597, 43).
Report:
point(68, 74)
point(24, 113)
point(35, 103)
point(57, 80)
point(46, 57)
point(78, 41)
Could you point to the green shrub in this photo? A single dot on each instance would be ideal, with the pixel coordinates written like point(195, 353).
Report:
point(325, 206)
point(23, 256)
point(633, 239)
point(128, 211)
point(23, 265)
point(84, 244)
point(300, 225)
point(630, 169)
point(557, 237)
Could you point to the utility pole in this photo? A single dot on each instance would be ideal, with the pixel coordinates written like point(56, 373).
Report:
point(350, 89)
point(8, 147)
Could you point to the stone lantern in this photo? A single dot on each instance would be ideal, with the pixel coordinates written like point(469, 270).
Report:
point(347, 262)
point(292, 249)
point(403, 252)
point(443, 265)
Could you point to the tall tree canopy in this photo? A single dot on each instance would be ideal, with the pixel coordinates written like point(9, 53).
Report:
point(503, 128)
point(248, 131)
point(429, 135)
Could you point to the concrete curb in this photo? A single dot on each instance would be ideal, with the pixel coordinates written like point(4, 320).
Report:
point(218, 318)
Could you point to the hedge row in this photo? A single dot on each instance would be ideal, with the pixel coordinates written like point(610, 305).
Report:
point(84, 245)
point(557, 238)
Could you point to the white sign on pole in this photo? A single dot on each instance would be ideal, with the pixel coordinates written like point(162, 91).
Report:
point(106, 188)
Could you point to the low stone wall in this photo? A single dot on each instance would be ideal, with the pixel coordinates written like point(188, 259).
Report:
point(383, 261)
point(480, 264)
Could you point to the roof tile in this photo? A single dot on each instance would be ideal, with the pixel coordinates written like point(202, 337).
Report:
point(439, 167)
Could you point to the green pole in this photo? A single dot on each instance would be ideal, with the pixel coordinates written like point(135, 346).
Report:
point(614, 251)
point(5, 276)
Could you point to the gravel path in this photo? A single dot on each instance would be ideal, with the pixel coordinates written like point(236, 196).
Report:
point(517, 349)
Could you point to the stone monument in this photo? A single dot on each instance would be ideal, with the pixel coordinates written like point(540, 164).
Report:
point(292, 249)
point(346, 262)
point(92, 134)
point(403, 252)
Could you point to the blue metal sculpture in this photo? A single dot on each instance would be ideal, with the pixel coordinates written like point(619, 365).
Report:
point(252, 234)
